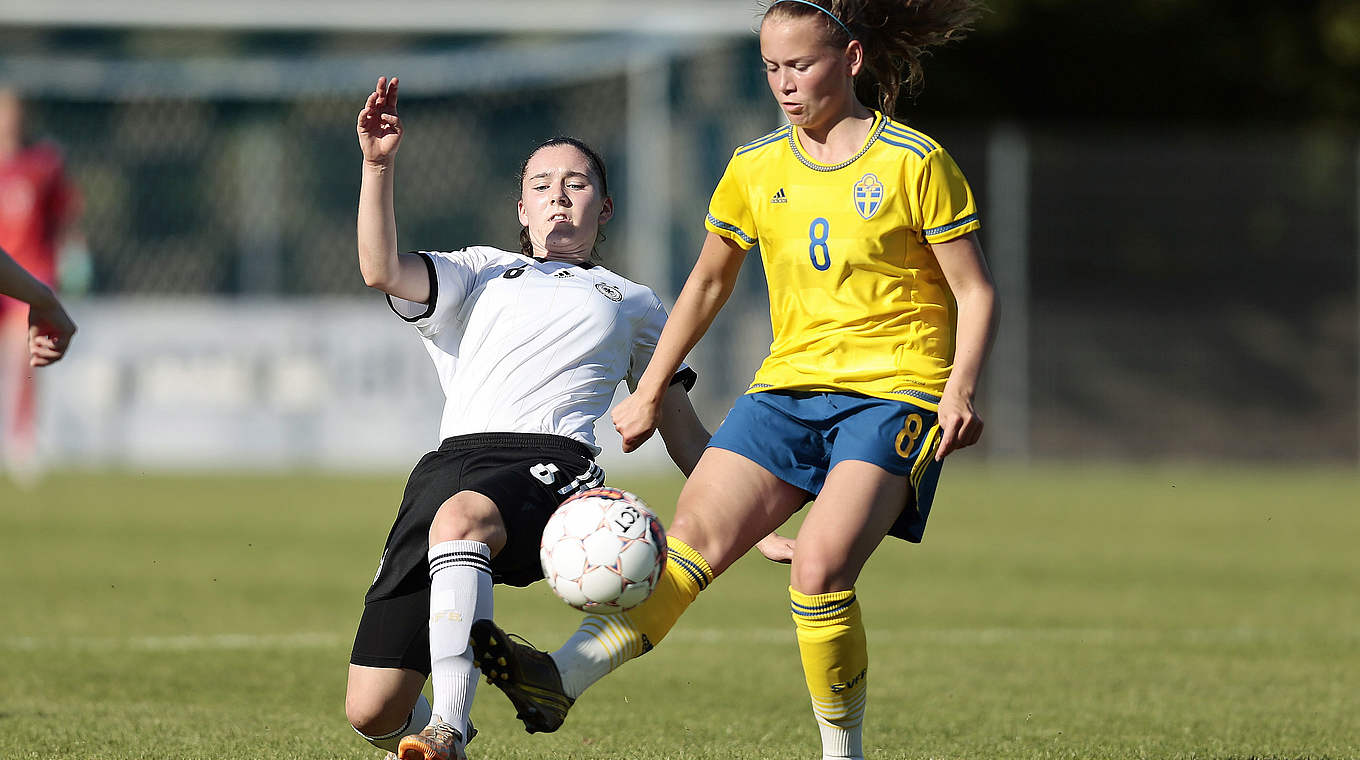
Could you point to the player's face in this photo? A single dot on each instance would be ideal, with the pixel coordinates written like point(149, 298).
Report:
point(812, 81)
point(561, 203)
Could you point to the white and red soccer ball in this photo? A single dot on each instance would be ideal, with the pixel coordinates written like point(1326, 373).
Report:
point(603, 550)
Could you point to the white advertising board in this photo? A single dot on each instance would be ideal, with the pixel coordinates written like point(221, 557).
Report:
point(328, 384)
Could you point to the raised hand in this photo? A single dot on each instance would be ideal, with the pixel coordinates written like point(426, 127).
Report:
point(379, 128)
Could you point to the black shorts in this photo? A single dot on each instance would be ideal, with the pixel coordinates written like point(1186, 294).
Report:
point(527, 476)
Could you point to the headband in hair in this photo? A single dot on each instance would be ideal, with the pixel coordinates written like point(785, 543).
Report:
point(842, 25)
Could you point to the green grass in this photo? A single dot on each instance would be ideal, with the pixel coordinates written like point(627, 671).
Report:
point(1053, 612)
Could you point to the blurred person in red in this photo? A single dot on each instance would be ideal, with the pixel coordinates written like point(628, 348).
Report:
point(38, 207)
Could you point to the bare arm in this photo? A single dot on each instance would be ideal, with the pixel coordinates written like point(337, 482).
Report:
point(966, 272)
point(707, 289)
point(16, 282)
point(681, 429)
point(380, 132)
point(49, 326)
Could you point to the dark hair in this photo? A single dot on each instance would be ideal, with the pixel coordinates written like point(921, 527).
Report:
point(596, 164)
point(896, 35)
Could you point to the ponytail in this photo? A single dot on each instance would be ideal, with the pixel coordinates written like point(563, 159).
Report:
point(896, 35)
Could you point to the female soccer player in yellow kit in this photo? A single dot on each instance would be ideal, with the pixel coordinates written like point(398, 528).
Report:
point(882, 311)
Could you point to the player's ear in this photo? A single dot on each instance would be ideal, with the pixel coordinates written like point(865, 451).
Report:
point(523, 218)
point(607, 210)
point(854, 58)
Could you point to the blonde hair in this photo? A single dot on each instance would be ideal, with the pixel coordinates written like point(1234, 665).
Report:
point(896, 35)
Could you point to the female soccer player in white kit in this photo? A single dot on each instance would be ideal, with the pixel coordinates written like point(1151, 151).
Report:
point(882, 309)
point(530, 347)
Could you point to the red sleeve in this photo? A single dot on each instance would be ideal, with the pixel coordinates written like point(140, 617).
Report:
point(63, 199)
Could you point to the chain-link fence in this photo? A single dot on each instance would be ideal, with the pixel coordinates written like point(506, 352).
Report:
point(1192, 293)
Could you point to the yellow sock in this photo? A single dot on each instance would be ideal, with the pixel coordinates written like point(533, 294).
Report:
point(836, 666)
point(604, 642)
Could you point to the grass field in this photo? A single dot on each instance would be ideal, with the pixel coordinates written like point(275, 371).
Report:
point(1053, 612)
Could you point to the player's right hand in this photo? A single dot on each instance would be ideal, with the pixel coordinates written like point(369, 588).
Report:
point(49, 334)
point(379, 128)
point(635, 419)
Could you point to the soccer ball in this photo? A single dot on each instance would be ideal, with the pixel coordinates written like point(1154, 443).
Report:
point(603, 551)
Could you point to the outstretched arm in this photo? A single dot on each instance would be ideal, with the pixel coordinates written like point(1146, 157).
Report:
point(380, 132)
point(49, 326)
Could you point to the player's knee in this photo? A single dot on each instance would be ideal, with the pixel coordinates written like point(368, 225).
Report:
point(710, 540)
point(685, 527)
point(819, 573)
point(469, 516)
point(373, 716)
point(691, 527)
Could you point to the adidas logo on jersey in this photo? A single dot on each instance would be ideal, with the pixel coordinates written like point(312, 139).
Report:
point(562, 273)
point(779, 197)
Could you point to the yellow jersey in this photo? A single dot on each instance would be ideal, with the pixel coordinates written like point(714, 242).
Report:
point(857, 300)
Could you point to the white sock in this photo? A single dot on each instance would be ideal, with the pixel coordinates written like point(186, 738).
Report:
point(840, 743)
point(418, 719)
point(460, 592)
point(842, 726)
point(596, 649)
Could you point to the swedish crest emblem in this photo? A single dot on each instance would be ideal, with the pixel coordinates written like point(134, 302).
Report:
point(868, 196)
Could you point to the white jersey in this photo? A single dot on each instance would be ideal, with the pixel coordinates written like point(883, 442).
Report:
point(524, 345)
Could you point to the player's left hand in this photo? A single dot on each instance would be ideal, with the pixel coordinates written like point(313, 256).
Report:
point(777, 548)
point(49, 334)
point(960, 424)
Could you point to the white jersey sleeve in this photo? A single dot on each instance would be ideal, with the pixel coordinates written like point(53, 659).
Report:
point(645, 338)
point(452, 278)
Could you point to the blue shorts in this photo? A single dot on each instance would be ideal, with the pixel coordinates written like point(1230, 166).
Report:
point(798, 436)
